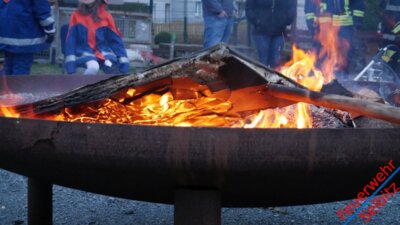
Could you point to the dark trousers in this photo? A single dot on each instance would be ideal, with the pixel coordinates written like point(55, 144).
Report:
point(269, 49)
point(17, 63)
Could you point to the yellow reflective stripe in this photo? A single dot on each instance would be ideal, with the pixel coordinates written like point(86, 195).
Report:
point(358, 13)
point(388, 55)
point(324, 19)
point(341, 24)
point(341, 17)
point(347, 7)
point(396, 28)
point(310, 16)
point(323, 7)
point(342, 20)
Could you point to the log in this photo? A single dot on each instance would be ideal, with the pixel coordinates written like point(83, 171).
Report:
point(219, 68)
point(359, 106)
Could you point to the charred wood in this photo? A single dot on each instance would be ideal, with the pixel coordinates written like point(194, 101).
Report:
point(358, 106)
point(206, 68)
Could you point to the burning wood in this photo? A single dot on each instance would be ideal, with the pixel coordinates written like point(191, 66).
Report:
point(217, 87)
point(211, 88)
point(359, 106)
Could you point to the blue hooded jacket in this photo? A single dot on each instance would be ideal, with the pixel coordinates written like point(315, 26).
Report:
point(25, 25)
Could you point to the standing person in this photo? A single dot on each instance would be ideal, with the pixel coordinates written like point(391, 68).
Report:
point(347, 15)
point(218, 21)
point(269, 19)
point(389, 28)
point(94, 41)
point(26, 27)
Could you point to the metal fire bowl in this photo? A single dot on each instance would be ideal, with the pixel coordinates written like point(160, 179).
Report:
point(250, 167)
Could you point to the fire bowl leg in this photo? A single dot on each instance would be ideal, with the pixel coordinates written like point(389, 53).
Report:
point(40, 202)
point(197, 207)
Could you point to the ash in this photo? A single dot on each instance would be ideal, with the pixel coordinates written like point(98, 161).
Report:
point(328, 118)
point(23, 98)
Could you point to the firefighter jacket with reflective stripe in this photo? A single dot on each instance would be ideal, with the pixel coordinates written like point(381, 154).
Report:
point(24, 25)
point(94, 40)
point(338, 12)
point(391, 23)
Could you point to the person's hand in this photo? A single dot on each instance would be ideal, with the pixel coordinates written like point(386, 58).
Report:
point(50, 38)
point(235, 13)
point(108, 63)
point(222, 14)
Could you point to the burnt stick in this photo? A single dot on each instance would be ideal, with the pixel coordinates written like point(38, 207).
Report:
point(359, 106)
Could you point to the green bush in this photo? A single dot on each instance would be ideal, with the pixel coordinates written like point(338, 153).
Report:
point(163, 37)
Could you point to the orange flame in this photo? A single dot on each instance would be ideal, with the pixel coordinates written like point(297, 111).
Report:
point(195, 105)
point(5, 106)
point(8, 112)
point(303, 69)
point(333, 50)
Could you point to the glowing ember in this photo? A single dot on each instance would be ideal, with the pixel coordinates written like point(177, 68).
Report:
point(186, 103)
point(154, 109)
point(165, 109)
point(8, 112)
point(150, 109)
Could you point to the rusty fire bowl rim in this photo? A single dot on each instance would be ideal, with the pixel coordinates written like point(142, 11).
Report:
point(251, 167)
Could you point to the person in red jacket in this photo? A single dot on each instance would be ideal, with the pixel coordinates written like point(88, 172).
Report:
point(94, 41)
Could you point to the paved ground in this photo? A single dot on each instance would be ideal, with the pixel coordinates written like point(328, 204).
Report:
point(73, 207)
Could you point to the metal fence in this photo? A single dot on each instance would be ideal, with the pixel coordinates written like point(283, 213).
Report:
point(185, 19)
point(186, 22)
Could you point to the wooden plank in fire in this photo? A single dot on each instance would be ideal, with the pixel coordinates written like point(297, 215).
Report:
point(218, 67)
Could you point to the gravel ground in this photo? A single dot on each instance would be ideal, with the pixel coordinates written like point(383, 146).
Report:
point(75, 207)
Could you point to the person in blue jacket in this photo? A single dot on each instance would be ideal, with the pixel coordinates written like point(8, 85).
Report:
point(218, 18)
point(94, 41)
point(26, 27)
point(269, 19)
